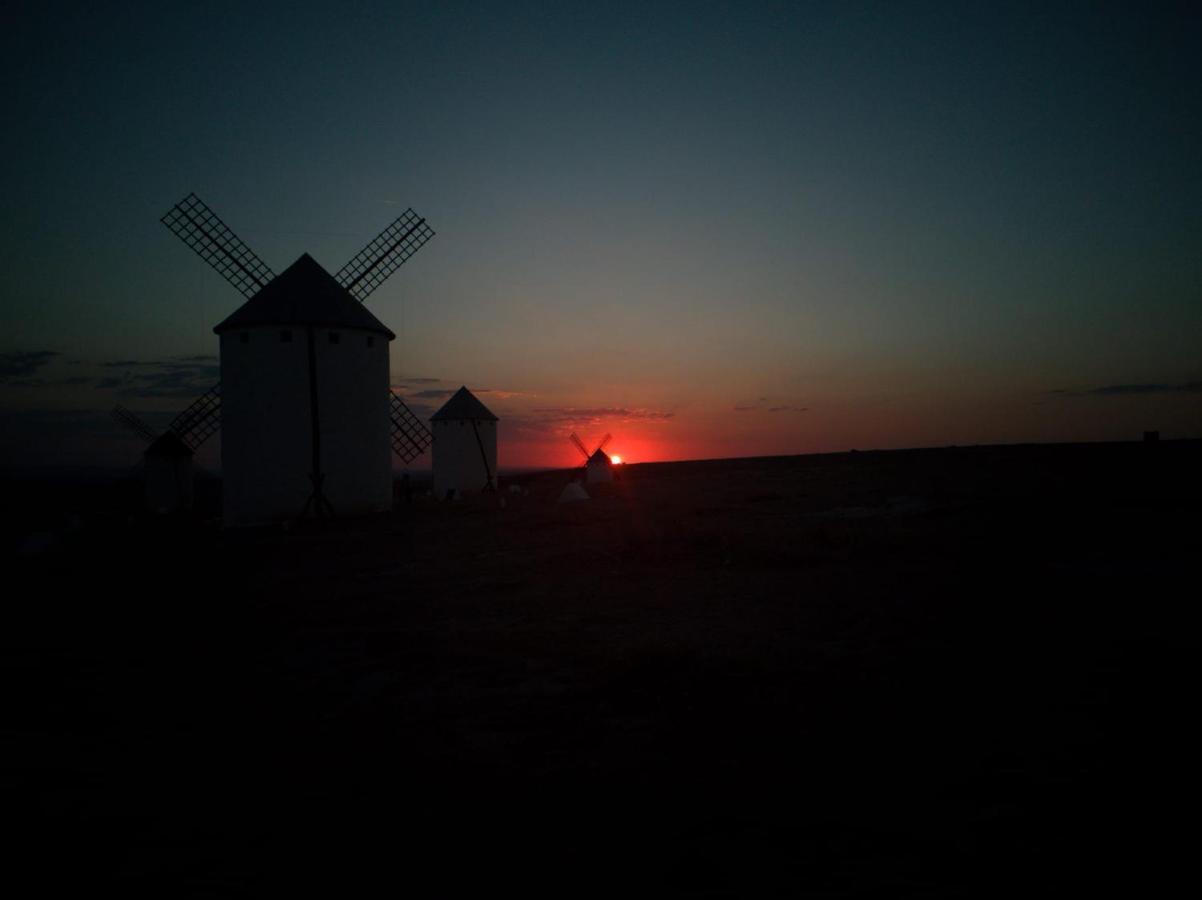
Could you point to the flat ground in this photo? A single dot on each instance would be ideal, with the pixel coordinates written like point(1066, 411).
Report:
point(944, 672)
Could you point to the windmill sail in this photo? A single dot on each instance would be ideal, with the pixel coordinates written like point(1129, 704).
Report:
point(201, 420)
point(410, 437)
point(212, 240)
point(579, 445)
point(134, 424)
point(372, 265)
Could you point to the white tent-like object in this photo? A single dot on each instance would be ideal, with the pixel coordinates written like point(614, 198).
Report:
point(573, 491)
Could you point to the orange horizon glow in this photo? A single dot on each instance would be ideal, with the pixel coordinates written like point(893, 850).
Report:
point(661, 429)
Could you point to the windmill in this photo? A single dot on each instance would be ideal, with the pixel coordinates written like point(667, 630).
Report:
point(167, 459)
point(464, 457)
point(305, 423)
point(597, 466)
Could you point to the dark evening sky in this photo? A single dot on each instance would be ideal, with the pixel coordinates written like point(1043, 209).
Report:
point(712, 229)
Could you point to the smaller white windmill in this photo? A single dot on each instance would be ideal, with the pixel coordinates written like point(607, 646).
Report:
point(464, 449)
point(597, 465)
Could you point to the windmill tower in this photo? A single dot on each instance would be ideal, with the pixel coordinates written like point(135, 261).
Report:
point(464, 454)
point(306, 414)
point(168, 474)
point(597, 465)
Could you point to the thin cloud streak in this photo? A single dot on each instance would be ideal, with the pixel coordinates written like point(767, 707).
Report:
point(1128, 390)
point(21, 364)
point(183, 377)
point(762, 405)
point(593, 415)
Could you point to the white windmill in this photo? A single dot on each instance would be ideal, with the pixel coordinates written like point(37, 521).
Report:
point(464, 452)
point(305, 410)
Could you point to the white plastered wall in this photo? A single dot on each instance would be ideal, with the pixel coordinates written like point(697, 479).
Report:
point(266, 447)
point(455, 455)
point(168, 483)
point(598, 471)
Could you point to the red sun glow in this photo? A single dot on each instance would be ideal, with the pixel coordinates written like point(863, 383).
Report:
point(616, 460)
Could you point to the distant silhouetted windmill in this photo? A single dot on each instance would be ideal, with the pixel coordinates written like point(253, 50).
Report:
point(597, 466)
point(305, 423)
point(167, 459)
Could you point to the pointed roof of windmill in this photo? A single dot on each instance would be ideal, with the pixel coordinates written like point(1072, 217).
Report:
point(304, 294)
point(170, 445)
point(599, 457)
point(464, 405)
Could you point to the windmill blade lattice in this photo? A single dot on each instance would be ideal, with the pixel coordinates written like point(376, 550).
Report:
point(372, 265)
point(201, 420)
point(202, 230)
point(579, 445)
point(410, 436)
point(604, 441)
point(134, 424)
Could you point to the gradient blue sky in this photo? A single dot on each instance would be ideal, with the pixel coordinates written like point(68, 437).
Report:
point(711, 229)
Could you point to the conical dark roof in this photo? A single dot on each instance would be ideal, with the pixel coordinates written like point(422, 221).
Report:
point(304, 294)
point(464, 405)
point(599, 456)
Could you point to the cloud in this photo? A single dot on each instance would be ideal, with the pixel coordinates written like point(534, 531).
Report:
point(48, 382)
point(403, 384)
point(432, 393)
point(503, 395)
point(1128, 390)
point(422, 410)
point(180, 377)
point(21, 364)
point(762, 406)
point(592, 415)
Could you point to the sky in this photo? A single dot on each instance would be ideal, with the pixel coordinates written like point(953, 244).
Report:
point(708, 229)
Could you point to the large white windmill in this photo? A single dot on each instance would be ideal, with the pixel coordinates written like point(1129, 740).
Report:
point(305, 410)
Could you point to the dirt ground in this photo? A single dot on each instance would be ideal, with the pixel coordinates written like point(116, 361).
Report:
point(951, 672)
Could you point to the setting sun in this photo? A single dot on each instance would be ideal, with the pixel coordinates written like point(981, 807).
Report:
point(616, 460)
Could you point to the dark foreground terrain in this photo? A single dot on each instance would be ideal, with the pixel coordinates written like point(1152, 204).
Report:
point(952, 672)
